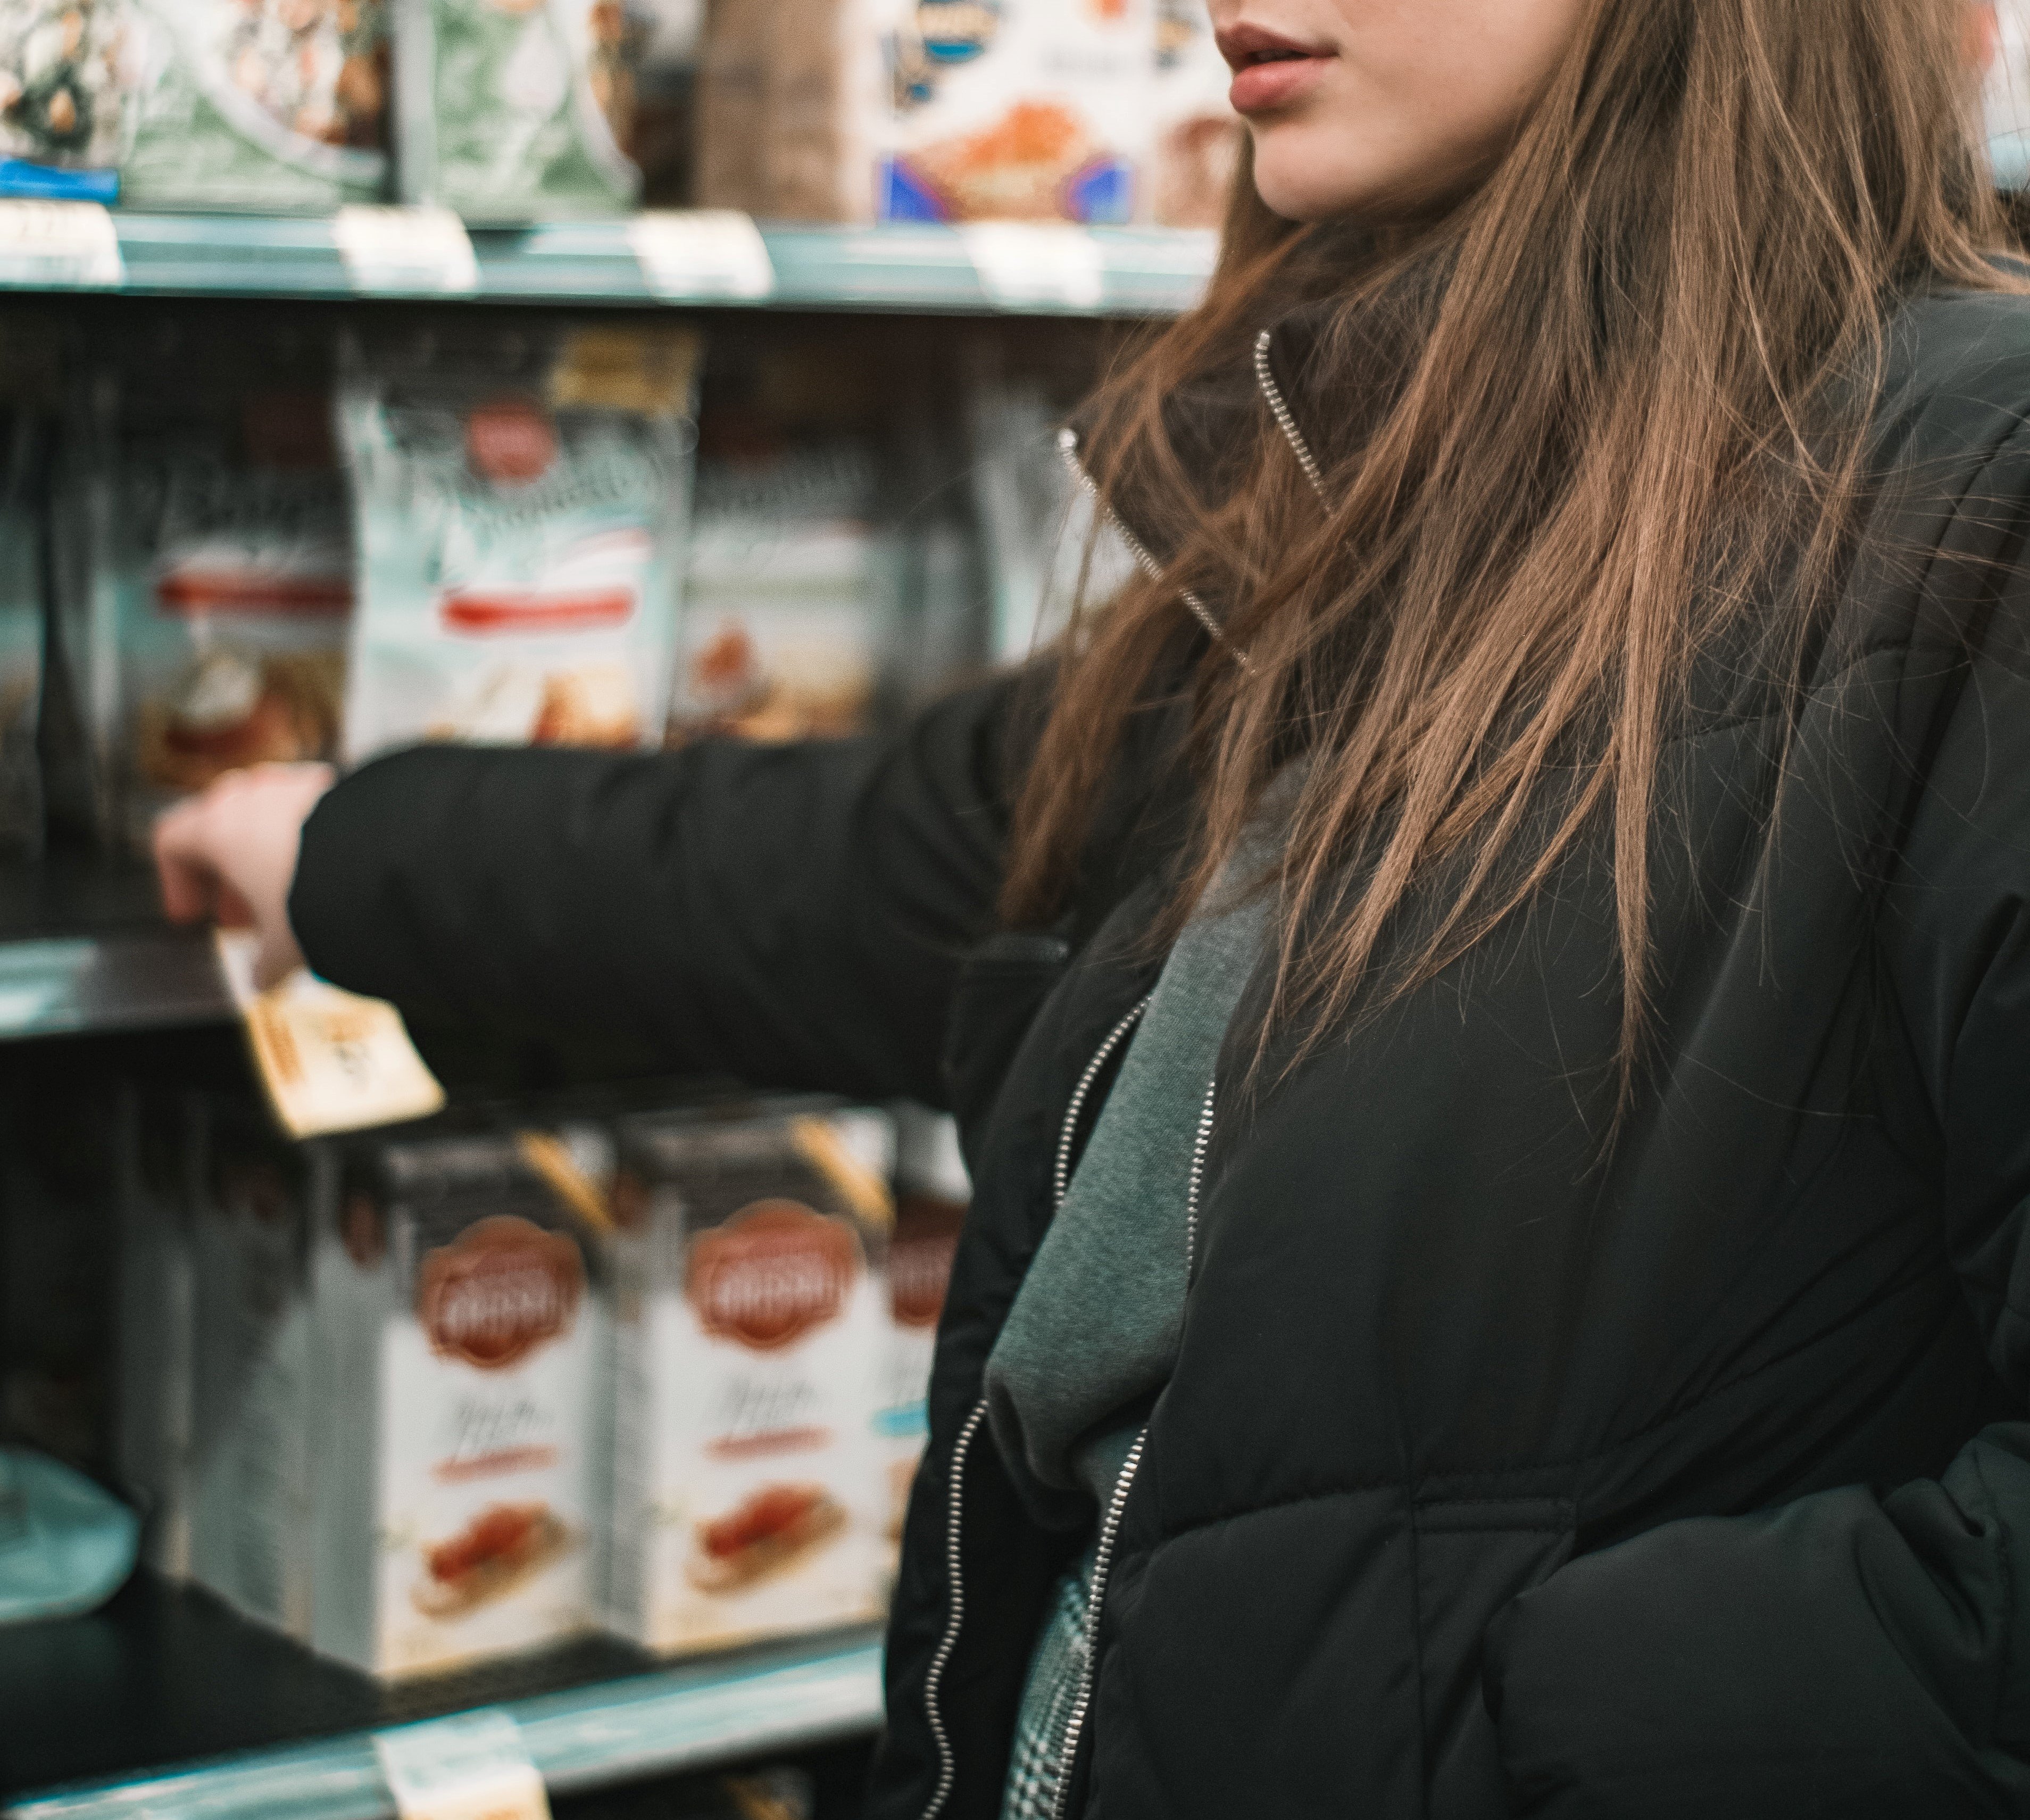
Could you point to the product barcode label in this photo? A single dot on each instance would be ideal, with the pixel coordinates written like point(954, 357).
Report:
point(701, 253)
point(472, 1766)
point(408, 251)
point(58, 243)
point(1022, 265)
point(329, 1060)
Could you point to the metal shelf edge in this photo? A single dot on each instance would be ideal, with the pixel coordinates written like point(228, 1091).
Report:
point(681, 1718)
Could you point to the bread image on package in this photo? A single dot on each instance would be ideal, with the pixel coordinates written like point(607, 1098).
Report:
point(459, 1339)
point(750, 1322)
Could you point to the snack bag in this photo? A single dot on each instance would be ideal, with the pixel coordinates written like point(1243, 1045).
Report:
point(270, 105)
point(460, 1340)
point(68, 77)
point(1023, 110)
point(232, 582)
point(20, 637)
point(515, 110)
point(1196, 145)
point(162, 1172)
point(518, 532)
point(933, 1194)
point(791, 599)
point(747, 1500)
point(253, 1420)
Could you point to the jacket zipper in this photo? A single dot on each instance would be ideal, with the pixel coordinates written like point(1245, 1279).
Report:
point(1144, 559)
point(1102, 1559)
point(948, 1643)
point(1280, 408)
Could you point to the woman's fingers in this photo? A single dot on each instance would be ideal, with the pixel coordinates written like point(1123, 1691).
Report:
point(184, 866)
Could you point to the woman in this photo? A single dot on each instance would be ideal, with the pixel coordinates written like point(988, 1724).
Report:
point(1487, 995)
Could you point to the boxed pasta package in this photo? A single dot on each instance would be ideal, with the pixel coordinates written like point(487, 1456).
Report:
point(68, 82)
point(252, 1420)
point(520, 513)
point(1024, 110)
point(230, 569)
point(460, 1341)
point(516, 110)
point(271, 106)
point(750, 1324)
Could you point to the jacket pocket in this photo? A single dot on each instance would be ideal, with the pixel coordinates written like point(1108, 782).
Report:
point(1001, 986)
point(1474, 1556)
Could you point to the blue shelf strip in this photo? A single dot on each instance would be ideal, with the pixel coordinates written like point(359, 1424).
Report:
point(686, 1717)
point(913, 268)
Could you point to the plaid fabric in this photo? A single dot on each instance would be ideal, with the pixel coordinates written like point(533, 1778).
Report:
point(1055, 1669)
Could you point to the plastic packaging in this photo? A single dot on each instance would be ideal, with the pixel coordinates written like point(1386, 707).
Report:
point(65, 1545)
point(69, 78)
point(519, 514)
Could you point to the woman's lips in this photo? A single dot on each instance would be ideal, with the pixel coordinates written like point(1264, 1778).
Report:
point(1270, 71)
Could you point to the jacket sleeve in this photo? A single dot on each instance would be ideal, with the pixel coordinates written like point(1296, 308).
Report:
point(791, 915)
point(1861, 1652)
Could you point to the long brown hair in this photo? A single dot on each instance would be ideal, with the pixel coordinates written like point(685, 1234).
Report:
point(1572, 428)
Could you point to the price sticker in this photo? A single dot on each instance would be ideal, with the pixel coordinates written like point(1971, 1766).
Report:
point(1023, 264)
point(687, 253)
point(330, 1061)
point(58, 244)
point(406, 251)
point(472, 1766)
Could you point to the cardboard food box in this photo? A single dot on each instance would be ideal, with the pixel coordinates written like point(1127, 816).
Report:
point(252, 1418)
point(750, 1326)
point(460, 1343)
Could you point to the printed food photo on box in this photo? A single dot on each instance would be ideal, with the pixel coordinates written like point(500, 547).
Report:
point(749, 1297)
point(520, 511)
point(460, 1343)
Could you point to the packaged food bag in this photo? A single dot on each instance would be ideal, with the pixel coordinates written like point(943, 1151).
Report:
point(791, 602)
point(232, 576)
point(932, 1194)
point(270, 106)
point(749, 1334)
point(68, 82)
point(1024, 110)
point(253, 1422)
point(1196, 134)
point(460, 1341)
point(515, 110)
point(20, 633)
point(519, 530)
point(162, 1169)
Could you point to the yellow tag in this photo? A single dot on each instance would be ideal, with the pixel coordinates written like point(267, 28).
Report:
point(473, 1767)
point(330, 1061)
point(646, 370)
point(862, 1189)
point(551, 1159)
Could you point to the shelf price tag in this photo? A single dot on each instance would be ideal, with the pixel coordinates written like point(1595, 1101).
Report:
point(406, 251)
point(696, 253)
point(1023, 264)
point(472, 1767)
point(329, 1061)
point(58, 243)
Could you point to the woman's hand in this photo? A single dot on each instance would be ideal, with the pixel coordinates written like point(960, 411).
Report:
point(230, 853)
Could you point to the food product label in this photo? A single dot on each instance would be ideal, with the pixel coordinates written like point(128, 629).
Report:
point(775, 1271)
point(329, 1060)
point(498, 1292)
point(1025, 265)
point(58, 243)
point(415, 250)
point(473, 1767)
point(698, 253)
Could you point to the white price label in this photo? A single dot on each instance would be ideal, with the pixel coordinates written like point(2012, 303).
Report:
point(473, 1767)
point(58, 243)
point(701, 253)
point(1022, 264)
point(407, 251)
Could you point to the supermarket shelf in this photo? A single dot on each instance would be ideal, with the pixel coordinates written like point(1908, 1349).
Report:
point(163, 1673)
point(1116, 271)
point(83, 949)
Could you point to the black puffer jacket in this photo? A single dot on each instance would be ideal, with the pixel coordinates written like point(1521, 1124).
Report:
point(1499, 1474)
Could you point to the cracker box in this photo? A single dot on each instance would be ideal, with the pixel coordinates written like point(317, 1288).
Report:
point(460, 1343)
point(750, 1336)
point(1018, 110)
point(252, 1415)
